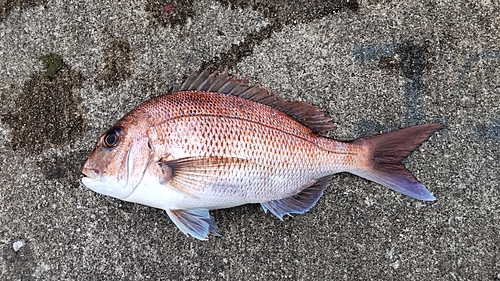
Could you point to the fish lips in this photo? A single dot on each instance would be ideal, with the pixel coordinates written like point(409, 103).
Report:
point(105, 185)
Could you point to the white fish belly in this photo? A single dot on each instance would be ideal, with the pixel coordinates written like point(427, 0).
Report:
point(229, 189)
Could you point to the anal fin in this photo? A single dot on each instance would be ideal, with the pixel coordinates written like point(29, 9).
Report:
point(299, 203)
point(197, 223)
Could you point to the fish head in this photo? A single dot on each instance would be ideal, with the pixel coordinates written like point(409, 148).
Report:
point(119, 160)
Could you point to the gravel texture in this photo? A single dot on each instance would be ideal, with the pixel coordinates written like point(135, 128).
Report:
point(372, 65)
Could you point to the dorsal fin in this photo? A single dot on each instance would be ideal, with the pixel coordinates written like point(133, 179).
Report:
point(309, 115)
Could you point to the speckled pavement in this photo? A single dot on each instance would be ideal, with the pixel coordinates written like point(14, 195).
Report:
point(374, 66)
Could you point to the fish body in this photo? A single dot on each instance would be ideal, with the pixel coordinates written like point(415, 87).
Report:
point(217, 143)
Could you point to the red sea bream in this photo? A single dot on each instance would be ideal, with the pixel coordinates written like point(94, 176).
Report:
point(217, 143)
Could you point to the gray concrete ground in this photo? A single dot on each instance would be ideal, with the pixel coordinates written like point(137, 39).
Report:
point(372, 65)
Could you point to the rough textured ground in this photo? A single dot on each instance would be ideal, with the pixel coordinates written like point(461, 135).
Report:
point(372, 65)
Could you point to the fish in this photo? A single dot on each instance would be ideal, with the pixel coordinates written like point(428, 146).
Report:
point(216, 142)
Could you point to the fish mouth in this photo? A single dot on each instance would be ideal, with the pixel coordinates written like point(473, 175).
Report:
point(91, 173)
point(103, 184)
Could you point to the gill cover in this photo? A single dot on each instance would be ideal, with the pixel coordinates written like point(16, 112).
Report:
point(118, 163)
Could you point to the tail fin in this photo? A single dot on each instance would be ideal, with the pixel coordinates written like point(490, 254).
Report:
point(385, 154)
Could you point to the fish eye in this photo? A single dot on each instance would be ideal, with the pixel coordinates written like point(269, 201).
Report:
point(111, 138)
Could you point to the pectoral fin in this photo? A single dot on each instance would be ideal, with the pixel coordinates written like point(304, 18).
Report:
point(299, 203)
point(192, 174)
point(196, 223)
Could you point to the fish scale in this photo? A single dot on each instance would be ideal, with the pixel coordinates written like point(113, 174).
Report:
point(216, 142)
point(240, 140)
point(213, 105)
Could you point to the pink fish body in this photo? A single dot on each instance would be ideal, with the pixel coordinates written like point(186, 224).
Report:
point(217, 143)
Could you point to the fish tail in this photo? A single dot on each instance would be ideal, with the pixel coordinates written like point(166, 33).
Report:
point(383, 156)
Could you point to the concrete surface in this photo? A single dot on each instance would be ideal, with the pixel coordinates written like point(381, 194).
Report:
point(372, 65)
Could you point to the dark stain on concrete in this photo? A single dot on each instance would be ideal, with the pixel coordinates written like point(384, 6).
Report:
point(294, 11)
point(237, 52)
point(405, 59)
point(280, 14)
point(48, 112)
point(21, 263)
point(65, 169)
point(169, 13)
point(477, 75)
point(366, 128)
point(474, 59)
point(6, 7)
point(488, 131)
point(118, 63)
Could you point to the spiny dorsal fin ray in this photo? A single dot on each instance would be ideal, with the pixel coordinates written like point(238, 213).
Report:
point(206, 80)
